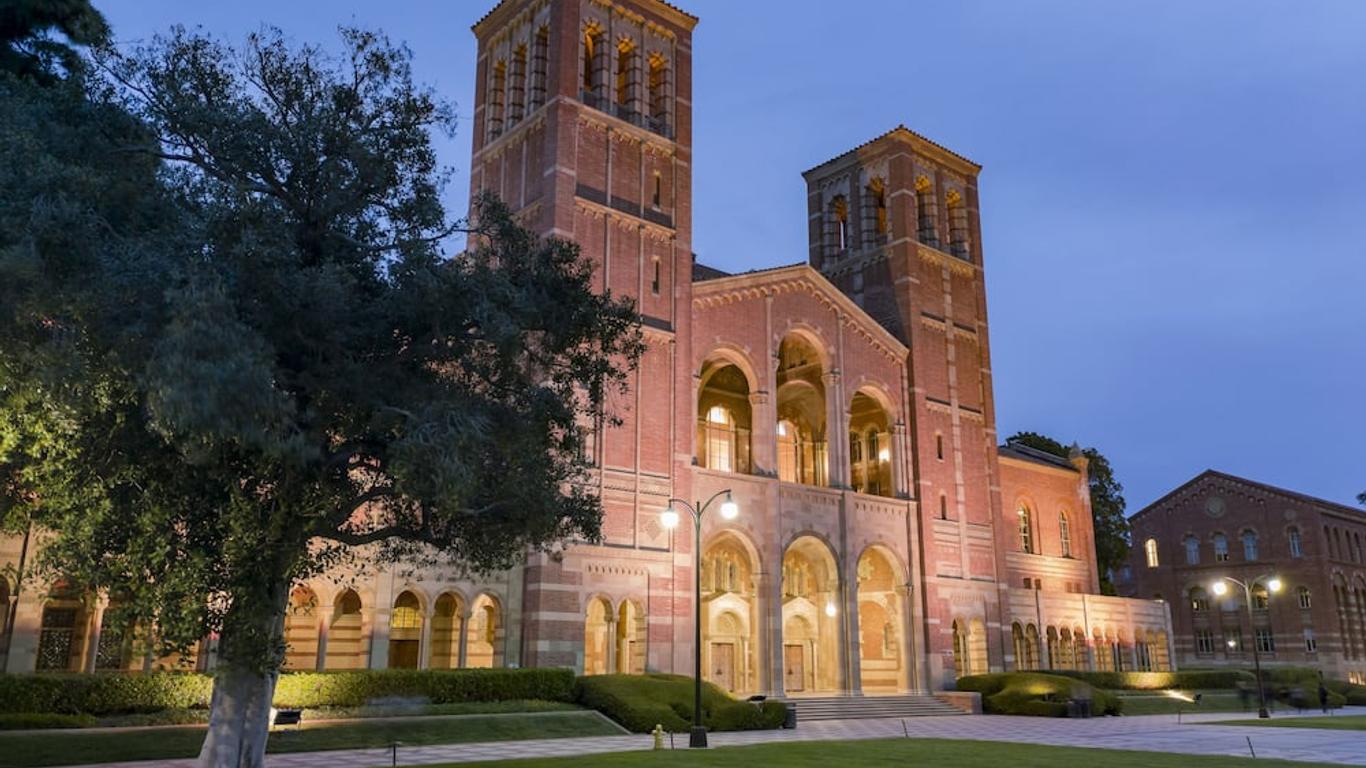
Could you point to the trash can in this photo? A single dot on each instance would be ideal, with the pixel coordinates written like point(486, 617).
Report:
point(790, 719)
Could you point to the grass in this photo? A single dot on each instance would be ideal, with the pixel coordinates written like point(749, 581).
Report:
point(960, 754)
point(1332, 723)
point(1156, 703)
point(30, 750)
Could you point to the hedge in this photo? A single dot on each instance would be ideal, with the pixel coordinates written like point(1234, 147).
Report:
point(1036, 694)
point(640, 702)
point(82, 694)
point(1198, 679)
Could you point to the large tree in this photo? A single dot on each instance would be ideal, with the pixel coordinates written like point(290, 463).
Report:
point(1107, 504)
point(235, 353)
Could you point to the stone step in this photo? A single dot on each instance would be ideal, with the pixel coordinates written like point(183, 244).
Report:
point(868, 707)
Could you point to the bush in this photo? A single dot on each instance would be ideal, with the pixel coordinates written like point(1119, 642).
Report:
point(1196, 679)
point(1036, 694)
point(34, 720)
point(77, 694)
point(639, 702)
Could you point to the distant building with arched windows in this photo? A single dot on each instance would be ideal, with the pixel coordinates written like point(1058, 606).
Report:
point(885, 542)
point(1315, 547)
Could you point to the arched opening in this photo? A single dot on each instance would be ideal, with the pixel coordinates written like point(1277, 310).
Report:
point(1025, 526)
point(730, 639)
point(597, 632)
point(1061, 652)
point(926, 231)
point(448, 617)
point(405, 632)
point(724, 417)
point(1104, 658)
point(61, 635)
point(977, 647)
point(958, 224)
point(345, 634)
point(594, 66)
point(1065, 534)
point(801, 413)
point(811, 649)
point(880, 608)
point(870, 446)
point(485, 644)
point(876, 222)
point(301, 630)
point(961, 663)
point(631, 634)
point(1080, 656)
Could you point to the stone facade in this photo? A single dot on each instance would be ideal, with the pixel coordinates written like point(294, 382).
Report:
point(884, 541)
point(1217, 526)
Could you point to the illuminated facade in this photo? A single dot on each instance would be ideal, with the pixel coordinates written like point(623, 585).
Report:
point(885, 543)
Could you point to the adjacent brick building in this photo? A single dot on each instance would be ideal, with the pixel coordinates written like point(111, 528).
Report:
point(884, 542)
point(1217, 525)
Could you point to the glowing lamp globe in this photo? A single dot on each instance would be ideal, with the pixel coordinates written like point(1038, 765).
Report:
point(1274, 585)
point(829, 609)
point(1220, 588)
point(669, 518)
point(729, 509)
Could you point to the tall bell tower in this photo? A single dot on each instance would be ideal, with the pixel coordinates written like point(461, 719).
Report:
point(894, 223)
point(583, 125)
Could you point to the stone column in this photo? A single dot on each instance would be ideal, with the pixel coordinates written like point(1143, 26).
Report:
point(763, 441)
point(324, 627)
point(611, 644)
point(900, 457)
point(836, 433)
point(462, 655)
point(772, 586)
point(93, 636)
point(853, 640)
point(905, 678)
point(424, 643)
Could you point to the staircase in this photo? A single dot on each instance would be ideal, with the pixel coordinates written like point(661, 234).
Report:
point(868, 707)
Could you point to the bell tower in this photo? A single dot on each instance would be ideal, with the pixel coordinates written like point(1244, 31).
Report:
point(894, 224)
point(583, 125)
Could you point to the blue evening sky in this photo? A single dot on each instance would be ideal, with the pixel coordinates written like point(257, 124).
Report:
point(1173, 193)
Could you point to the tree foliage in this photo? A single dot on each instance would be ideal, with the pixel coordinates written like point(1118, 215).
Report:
point(235, 350)
point(1107, 504)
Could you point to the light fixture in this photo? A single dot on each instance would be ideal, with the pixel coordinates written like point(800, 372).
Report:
point(729, 509)
point(1232, 643)
point(829, 609)
point(1220, 588)
point(782, 429)
point(884, 455)
point(669, 518)
point(1274, 584)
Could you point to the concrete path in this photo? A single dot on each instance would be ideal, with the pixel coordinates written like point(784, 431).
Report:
point(1155, 733)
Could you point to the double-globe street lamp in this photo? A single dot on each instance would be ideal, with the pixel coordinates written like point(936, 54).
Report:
point(1273, 585)
point(670, 518)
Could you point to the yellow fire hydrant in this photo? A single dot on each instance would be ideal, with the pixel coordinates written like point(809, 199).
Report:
point(658, 733)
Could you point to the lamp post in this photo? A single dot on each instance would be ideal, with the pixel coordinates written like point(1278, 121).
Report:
point(1273, 585)
point(698, 736)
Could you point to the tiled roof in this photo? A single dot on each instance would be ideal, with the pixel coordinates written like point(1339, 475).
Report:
point(1300, 497)
point(501, 3)
point(1024, 452)
point(712, 273)
point(900, 129)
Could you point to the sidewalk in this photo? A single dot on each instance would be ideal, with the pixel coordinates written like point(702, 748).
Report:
point(1153, 733)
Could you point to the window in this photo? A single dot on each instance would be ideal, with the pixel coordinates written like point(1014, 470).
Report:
point(1204, 642)
point(517, 85)
point(540, 66)
point(939, 447)
point(1065, 534)
point(654, 281)
point(943, 507)
point(658, 193)
point(1220, 548)
point(1026, 530)
point(1233, 640)
point(924, 200)
point(594, 64)
point(497, 85)
point(1311, 645)
point(1192, 550)
point(958, 224)
point(1150, 552)
point(1266, 641)
point(1199, 600)
point(1249, 545)
point(1296, 545)
point(875, 212)
point(1305, 600)
point(1260, 597)
point(658, 85)
point(627, 73)
point(839, 223)
point(720, 436)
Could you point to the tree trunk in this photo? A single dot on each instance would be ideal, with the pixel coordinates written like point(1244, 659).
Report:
point(239, 719)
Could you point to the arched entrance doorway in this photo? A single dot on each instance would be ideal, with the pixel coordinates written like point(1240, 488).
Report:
point(811, 628)
point(729, 604)
point(301, 630)
point(346, 633)
point(448, 616)
point(597, 632)
point(880, 608)
point(631, 646)
point(486, 633)
point(405, 632)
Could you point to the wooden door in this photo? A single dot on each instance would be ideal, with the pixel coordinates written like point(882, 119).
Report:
point(794, 668)
point(723, 665)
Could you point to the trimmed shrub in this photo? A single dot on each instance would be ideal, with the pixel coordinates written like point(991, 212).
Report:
point(1196, 679)
point(35, 720)
point(1036, 694)
point(73, 694)
point(639, 702)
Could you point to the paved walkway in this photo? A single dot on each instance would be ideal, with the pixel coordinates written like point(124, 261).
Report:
point(1155, 733)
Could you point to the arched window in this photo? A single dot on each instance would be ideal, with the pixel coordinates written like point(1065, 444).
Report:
point(720, 439)
point(875, 212)
point(497, 88)
point(1306, 601)
point(1026, 525)
point(943, 507)
point(839, 223)
point(540, 66)
point(1150, 552)
point(958, 224)
point(517, 86)
point(924, 204)
point(594, 66)
point(1065, 534)
point(1192, 550)
point(658, 84)
point(1249, 545)
point(1220, 547)
point(628, 75)
point(1199, 600)
point(1296, 545)
point(939, 447)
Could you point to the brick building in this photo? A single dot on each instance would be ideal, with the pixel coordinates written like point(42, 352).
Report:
point(1218, 525)
point(884, 542)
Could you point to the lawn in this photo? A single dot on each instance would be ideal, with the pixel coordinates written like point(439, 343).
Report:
point(1334, 723)
point(29, 750)
point(1157, 703)
point(960, 754)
